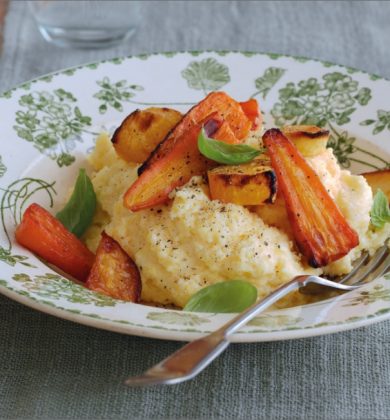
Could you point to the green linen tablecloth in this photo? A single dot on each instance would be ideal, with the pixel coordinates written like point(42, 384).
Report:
point(52, 369)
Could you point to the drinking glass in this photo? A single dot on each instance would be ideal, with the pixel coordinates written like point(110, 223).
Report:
point(86, 24)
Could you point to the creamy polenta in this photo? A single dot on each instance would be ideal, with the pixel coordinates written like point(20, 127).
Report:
point(193, 242)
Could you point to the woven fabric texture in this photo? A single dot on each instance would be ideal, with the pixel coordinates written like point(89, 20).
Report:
point(50, 368)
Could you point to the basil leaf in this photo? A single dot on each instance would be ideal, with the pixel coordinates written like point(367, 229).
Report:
point(229, 154)
point(78, 212)
point(380, 211)
point(225, 297)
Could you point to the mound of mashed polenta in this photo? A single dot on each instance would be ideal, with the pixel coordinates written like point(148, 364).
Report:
point(193, 242)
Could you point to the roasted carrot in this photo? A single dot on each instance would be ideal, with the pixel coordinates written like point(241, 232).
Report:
point(252, 111)
point(173, 170)
point(227, 108)
point(114, 273)
point(43, 234)
point(225, 133)
point(177, 158)
point(320, 230)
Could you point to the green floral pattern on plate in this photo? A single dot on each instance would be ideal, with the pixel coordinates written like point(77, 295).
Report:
point(267, 81)
point(48, 112)
point(314, 102)
point(326, 103)
point(114, 93)
point(3, 168)
point(206, 75)
point(52, 122)
point(378, 293)
point(344, 146)
point(13, 201)
point(268, 321)
point(382, 122)
point(7, 257)
point(54, 286)
point(177, 318)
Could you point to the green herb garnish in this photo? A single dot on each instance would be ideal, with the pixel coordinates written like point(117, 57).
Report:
point(229, 154)
point(380, 211)
point(78, 212)
point(225, 297)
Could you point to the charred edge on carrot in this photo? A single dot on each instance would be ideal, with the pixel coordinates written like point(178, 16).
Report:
point(212, 102)
point(309, 238)
point(156, 151)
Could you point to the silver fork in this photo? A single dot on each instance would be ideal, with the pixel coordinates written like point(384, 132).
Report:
point(191, 359)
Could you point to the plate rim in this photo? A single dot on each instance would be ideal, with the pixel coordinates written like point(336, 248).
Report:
point(155, 333)
point(149, 331)
point(195, 52)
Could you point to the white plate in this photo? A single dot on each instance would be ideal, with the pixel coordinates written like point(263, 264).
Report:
point(49, 124)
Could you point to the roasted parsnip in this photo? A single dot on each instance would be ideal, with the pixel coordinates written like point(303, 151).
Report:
point(142, 131)
point(379, 180)
point(226, 107)
point(248, 184)
point(310, 140)
point(177, 158)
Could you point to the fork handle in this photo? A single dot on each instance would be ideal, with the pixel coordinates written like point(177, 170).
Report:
point(242, 318)
point(191, 359)
point(198, 354)
point(296, 283)
point(206, 349)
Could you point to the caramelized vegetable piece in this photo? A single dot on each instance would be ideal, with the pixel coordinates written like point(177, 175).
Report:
point(320, 230)
point(225, 133)
point(247, 184)
point(142, 131)
point(379, 180)
point(177, 159)
point(114, 273)
point(226, 107)
point(310, 140)
point(171, 171)
point(253, 113)
point(43, 234)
